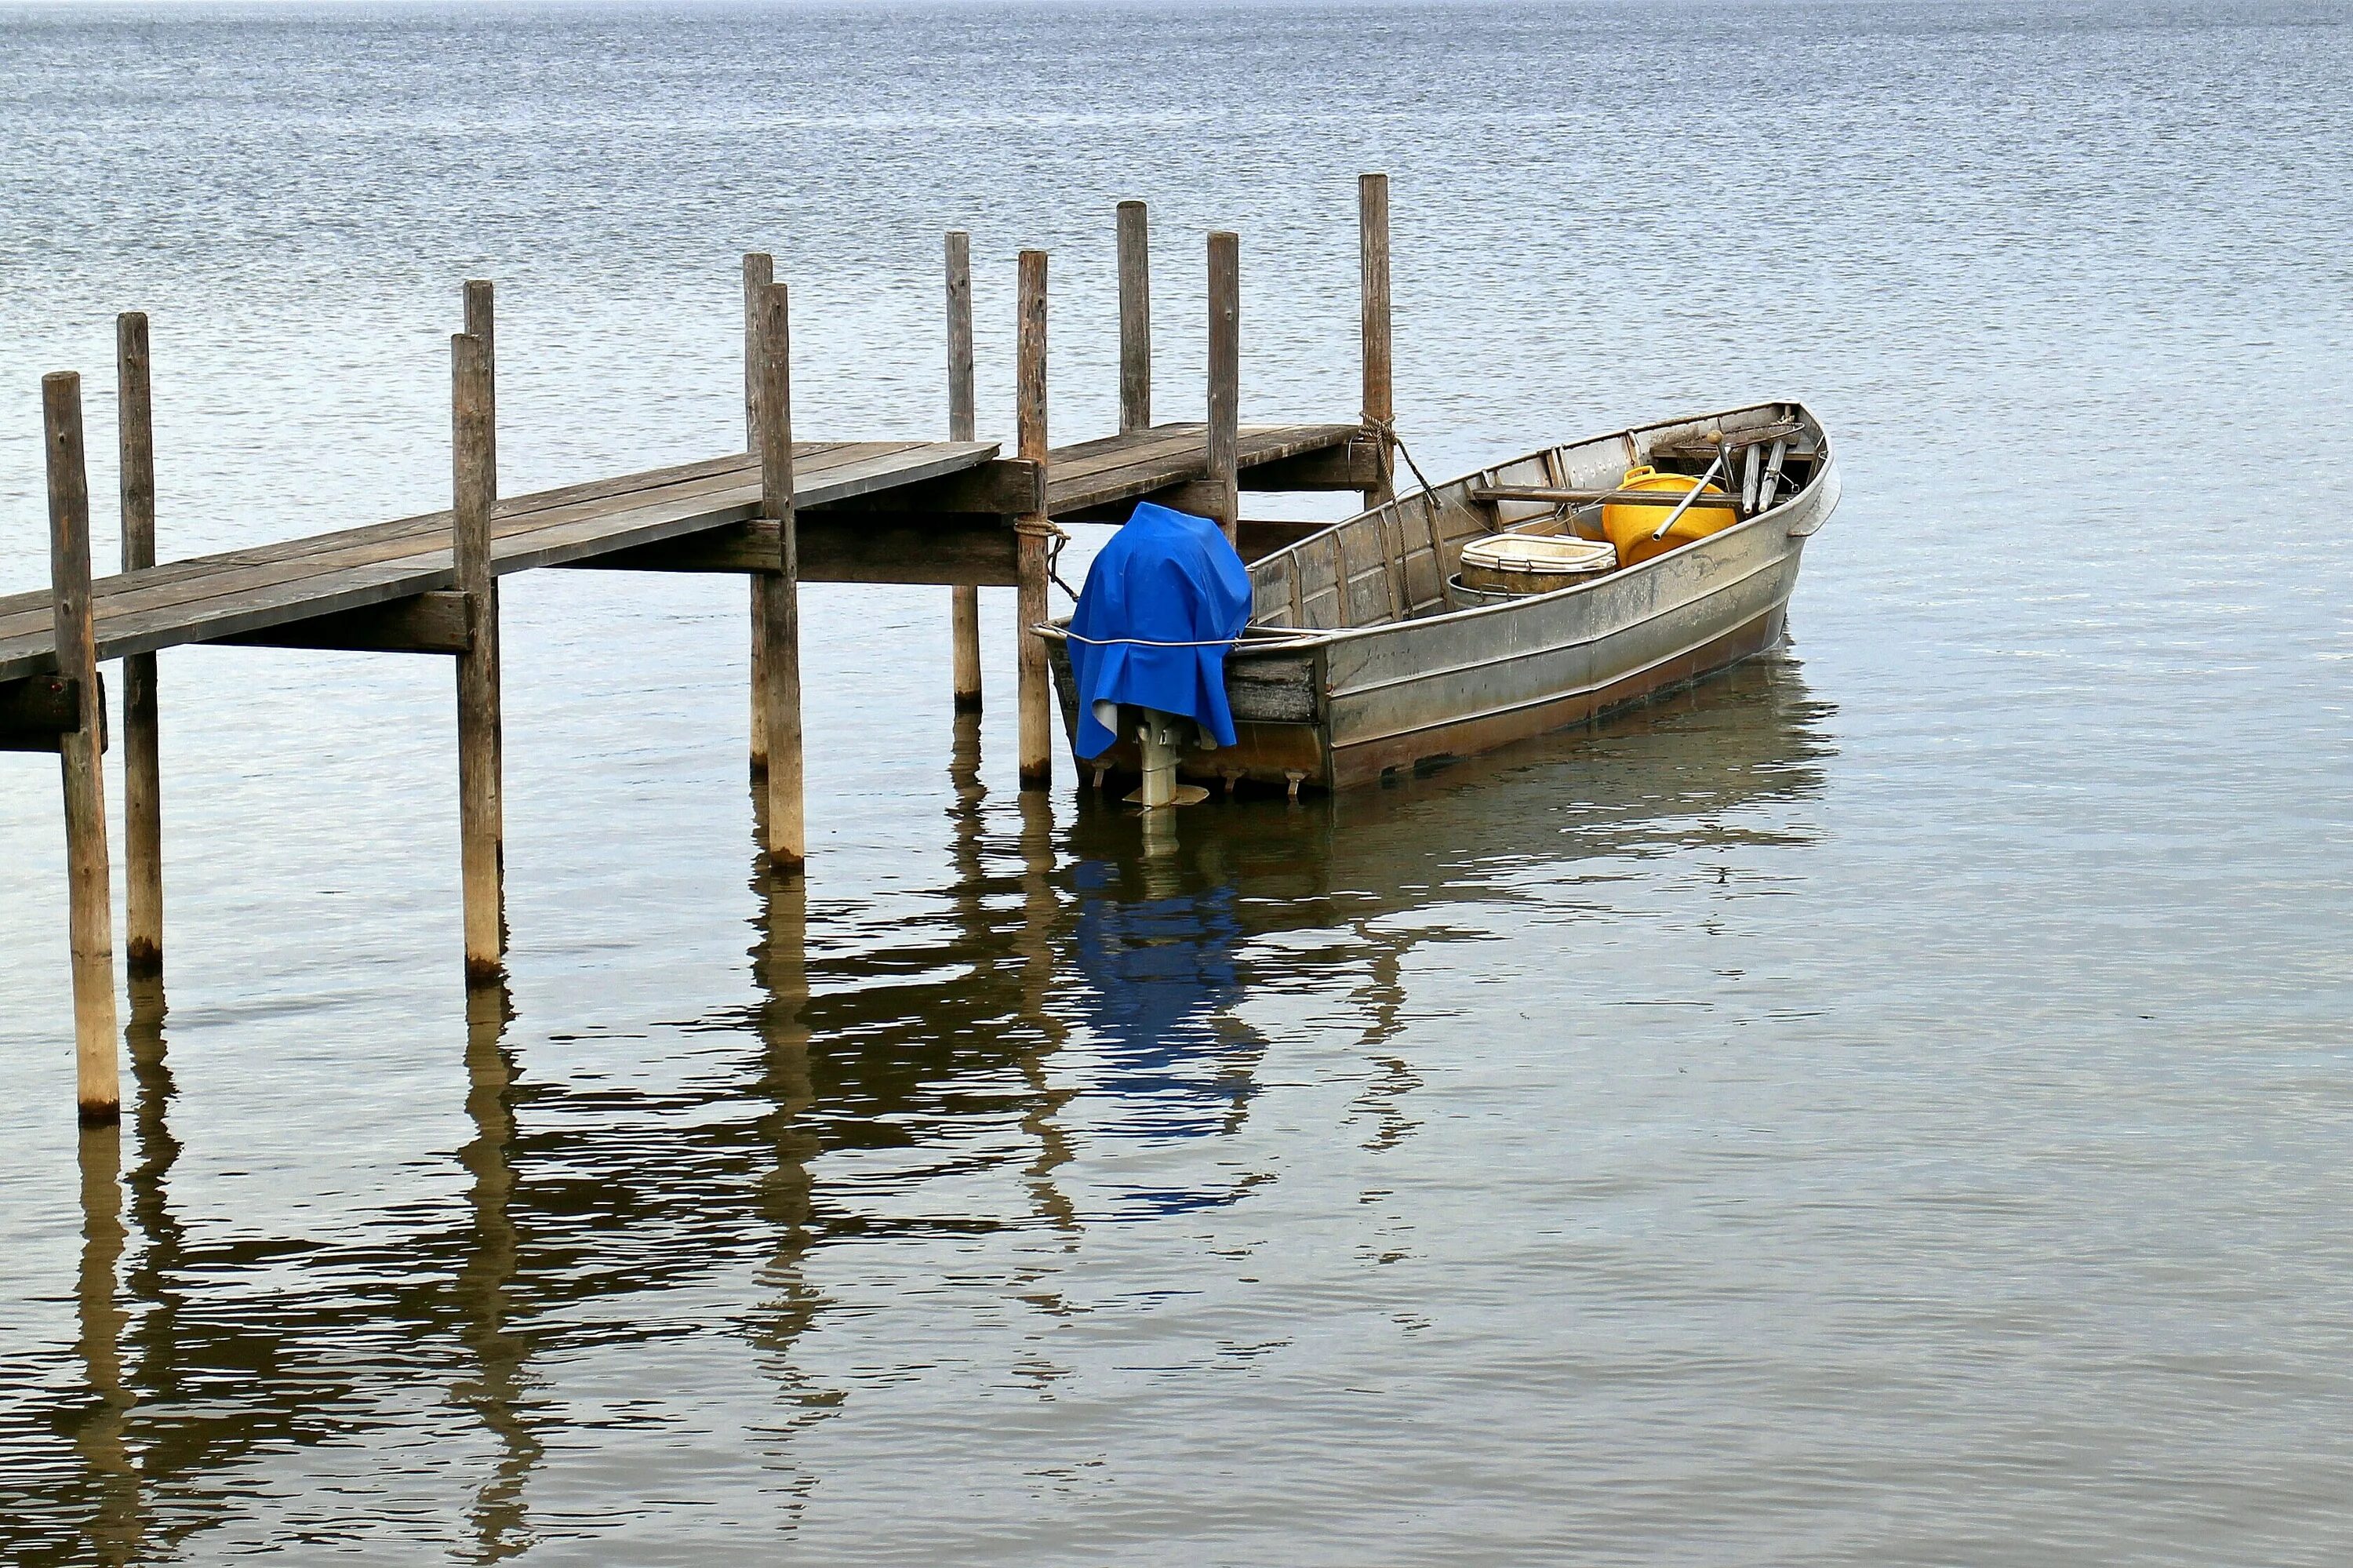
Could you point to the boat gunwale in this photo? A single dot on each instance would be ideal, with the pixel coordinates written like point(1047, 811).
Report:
point(1306, 639)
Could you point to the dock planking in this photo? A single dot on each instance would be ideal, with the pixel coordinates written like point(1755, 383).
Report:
point(237, 593)
point(208, 597)
point(954, 513)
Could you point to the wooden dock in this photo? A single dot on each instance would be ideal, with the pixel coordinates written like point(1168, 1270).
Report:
point(955, 513)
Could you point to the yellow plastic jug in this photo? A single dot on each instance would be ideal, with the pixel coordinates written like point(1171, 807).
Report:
point(1629, 524)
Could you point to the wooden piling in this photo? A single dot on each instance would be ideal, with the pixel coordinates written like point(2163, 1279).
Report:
point(779, 611)
point(474, 491)
point(759, 272)
point(1373, 279)
point(481, 323)
point(1034, 699)
point(90, 919)
point(1225, 379)
point(961, 425)
point(1134, 318)
point(142, 767)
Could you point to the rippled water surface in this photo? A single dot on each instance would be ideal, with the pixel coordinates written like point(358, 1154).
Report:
point(1889, 1105)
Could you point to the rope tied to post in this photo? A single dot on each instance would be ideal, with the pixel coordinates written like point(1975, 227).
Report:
point(1387, 429)
point(1044, 527)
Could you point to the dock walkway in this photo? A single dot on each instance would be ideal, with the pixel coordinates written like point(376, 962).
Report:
point(243, 595)
point(957, 513)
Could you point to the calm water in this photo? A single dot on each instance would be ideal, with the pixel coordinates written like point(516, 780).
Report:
point(1889, 1105)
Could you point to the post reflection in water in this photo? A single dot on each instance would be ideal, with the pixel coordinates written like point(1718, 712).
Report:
point(494, 1390)
point(978, 1057)
point(99, 1434)
point(787, 1144)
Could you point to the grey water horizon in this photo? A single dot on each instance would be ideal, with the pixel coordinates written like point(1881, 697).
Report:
point(1887, 1104)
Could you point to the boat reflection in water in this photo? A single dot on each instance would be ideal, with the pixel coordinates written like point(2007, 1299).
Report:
point(1070, 995)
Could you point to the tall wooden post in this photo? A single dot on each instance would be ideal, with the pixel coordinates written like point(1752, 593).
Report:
point(1373, 277)
point(473, 492)
point(1134, 318)
point(759, 272)
point(1225, 378)
point(779, 609)
point(480, 323)
point(90, 918)
point(142, 767)
point(1037, 755)
point(966, 620)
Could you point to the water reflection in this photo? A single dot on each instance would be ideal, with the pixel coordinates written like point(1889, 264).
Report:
point(493, 1387)
point(1078, 983)
point(99, 1436)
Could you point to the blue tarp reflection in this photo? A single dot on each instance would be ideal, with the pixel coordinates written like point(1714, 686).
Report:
point(1159, 998)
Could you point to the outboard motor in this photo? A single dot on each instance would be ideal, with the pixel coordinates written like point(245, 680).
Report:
point(1163, 602)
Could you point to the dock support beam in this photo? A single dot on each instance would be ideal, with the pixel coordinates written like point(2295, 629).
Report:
point(778, 609)
point(97, 1075)
point(961, 424)
point(1134, 318)
point(1225, 379)
point(759, 272)
point(473, 493)
point(1037, 755)
point(1373, 270)
point(142, 767)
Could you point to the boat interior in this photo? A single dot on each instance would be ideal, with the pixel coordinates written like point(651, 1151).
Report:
point(1406, 559)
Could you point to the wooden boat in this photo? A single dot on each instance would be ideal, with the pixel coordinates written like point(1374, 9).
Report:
point(1365, 652)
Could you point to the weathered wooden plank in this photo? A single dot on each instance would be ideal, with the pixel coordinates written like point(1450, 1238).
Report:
point(1004, 487)
point(1272, 690)
point(841, 469)
point(37, 709)
point(424, 623)
point(327, 546)
point(1353, 465)
point(388, 540)
point(937, 549)
point(202, 610)
point(1178, 455)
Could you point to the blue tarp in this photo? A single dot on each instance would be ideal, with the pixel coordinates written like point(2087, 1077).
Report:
point(1162, 603)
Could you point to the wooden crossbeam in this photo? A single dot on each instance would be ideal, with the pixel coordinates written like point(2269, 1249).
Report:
point(1007, 487)
point(943, 549)
point(1355, 465)
point(35, 711)
point(421, 623)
